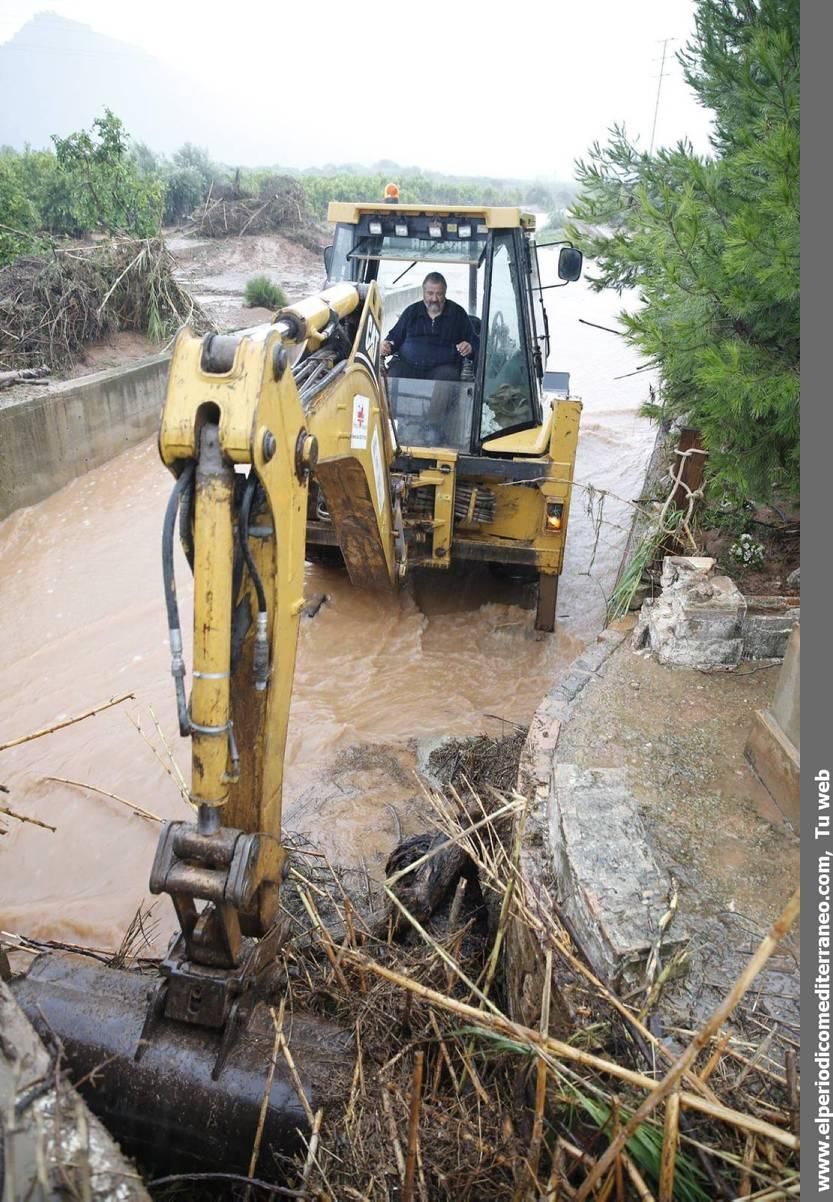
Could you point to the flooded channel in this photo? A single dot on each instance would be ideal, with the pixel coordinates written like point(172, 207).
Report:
point(82, 620)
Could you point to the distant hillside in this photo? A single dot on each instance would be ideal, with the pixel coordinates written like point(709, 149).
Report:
point(57, 76)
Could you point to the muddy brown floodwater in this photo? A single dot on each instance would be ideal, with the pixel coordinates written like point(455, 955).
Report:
point(82, 619)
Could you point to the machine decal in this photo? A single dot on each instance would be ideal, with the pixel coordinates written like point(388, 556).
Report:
point(361, 412)
point(367, 351)
point(371, 339)
point(378, 469)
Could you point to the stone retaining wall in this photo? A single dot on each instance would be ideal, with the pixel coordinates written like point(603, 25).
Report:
point(525, 957)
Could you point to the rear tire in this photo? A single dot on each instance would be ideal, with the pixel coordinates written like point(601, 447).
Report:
point(547, 600)
point(326, 556)
point(516, 573)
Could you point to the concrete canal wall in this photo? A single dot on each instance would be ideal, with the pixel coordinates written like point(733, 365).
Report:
point(48, 440)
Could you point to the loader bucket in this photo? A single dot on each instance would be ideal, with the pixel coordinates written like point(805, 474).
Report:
point(165, 1109)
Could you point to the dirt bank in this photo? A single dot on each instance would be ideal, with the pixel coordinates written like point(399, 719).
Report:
point(216, 271)
point(677, 736)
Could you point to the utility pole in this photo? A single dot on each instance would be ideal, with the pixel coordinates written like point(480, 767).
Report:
point(659, 89)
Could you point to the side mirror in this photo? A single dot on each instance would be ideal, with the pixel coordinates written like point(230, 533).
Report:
point(569, 264)
point(328, 259)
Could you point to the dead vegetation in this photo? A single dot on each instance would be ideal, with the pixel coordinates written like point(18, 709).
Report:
point(279, 207)
point(450, 1095)
point(480, 761)
point(52, 306)
point(451, 1098)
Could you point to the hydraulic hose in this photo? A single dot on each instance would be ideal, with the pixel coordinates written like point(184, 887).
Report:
point(260, 659)
point(182, 485)
point(186, 534)
point(243, 530)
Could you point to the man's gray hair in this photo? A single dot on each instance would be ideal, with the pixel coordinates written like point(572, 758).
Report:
point(434, 277)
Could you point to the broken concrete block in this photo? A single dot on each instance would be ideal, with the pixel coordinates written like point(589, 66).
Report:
point(697, 622)
point(685, 571)
point(609, 884)
point(54, 1147)
point(767, 626)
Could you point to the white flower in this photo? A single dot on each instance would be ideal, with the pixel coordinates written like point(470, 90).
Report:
point(747, 552)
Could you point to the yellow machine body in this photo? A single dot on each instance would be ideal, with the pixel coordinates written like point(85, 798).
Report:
point(498, 495)
point(255, 403)
point(284, 440)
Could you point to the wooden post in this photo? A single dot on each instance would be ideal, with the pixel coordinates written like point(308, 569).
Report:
point(693, 468)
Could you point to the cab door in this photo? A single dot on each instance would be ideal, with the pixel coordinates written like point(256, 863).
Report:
point(506, 376)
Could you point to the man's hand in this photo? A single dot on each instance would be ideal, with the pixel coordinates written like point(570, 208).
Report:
point(464, 349)
point(387, 348)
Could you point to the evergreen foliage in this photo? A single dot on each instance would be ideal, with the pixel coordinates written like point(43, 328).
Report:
point(712, 245)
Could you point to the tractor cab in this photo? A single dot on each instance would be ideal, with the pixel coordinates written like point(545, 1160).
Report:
point(489, 261)
point(484, 447)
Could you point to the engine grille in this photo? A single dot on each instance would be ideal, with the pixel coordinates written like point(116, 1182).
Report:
point(473, 504)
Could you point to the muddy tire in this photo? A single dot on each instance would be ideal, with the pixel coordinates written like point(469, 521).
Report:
point(517, 573)
point(327, 557)
point(547, 599)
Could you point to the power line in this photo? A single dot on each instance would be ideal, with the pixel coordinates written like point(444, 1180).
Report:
point(659, 89)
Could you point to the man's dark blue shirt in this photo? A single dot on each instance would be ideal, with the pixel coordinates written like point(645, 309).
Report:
point(427, 342)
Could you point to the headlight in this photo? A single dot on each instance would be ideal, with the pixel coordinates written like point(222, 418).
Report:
point(555, 514)
point(435, 230)
point(401, 229)
point(375, 227)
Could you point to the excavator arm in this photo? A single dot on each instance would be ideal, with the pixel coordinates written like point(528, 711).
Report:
point(246, 422)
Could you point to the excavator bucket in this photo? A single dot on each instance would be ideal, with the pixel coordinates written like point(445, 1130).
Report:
point(166, 1108)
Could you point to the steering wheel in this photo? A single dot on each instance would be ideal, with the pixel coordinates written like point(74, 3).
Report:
point(498, 332)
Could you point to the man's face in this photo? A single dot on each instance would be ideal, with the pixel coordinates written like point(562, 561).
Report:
point(434, 297)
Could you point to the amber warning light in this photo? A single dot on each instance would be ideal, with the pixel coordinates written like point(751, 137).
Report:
point(392, 194)
point(555, 510)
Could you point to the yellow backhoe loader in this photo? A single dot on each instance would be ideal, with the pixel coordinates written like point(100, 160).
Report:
point(284, 442)
point(480, 468)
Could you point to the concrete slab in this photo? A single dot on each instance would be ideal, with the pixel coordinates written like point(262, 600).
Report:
point(675, 738)
point(609, 884)
point(47, 441)
point(55, 1148)
point(767, 626)
point(697, 622)
point(775, 738)
point(777, 763)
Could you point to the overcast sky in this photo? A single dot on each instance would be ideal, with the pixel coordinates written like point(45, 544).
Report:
point(523, 93)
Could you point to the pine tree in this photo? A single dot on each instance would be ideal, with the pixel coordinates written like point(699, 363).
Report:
point(712, 245)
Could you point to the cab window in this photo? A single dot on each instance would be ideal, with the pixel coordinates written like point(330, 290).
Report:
point(507, 393)
point(341, 267)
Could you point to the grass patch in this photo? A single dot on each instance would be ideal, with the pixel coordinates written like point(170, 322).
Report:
point(261, 293)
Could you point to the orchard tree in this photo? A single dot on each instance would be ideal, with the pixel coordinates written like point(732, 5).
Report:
point(104, 186)
point(712, 245)
point(18, 218)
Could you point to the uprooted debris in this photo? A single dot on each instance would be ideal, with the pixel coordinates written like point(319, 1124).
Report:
point(51, 307)
point(280, 206)
point(451, 1098)
point(27, 375)
point(479, 761)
